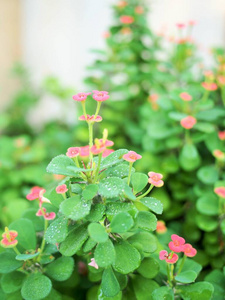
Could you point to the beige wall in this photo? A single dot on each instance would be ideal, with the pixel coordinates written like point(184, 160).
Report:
point(10, 50)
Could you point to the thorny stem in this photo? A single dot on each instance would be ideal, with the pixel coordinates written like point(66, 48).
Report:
point(146, 193)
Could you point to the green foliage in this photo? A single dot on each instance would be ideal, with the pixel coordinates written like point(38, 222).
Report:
point(97, 232)
point(121, 222)
point(197, 291)
point(75, 208)
point(8, 262)
point(36, 287)
point(61, 269)
point(57, 231)
point(105, 254)
point(12, 282)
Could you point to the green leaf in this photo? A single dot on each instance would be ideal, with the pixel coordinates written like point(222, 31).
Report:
point(208, 174)
point(217, 279)
point(139, 182)
point(8, 262)
point(30, 214)
point(113, 158)
point(12, 282)
point(59, 165)
point(121, 222)
point(190, 265)
point(143, 287)
point(26, 233)
point(57, 231)
point(144, 241)
point(176, 116)
point(113, 208)
point(111, 187)
point(154, 204)
point(122, 170)
point(110, 286)
point(186, 277)
point(75, 208)
point(54, 295)
point(206, 223)
point(101, 296)
point(189, 157)
point(205, 127)
point(55, 198)
point(105, 254)
point(96, 213)
point(208, 205)
point(61, 269)
point(164, 292)
point(74, 240)
point(36, 287)
point(128, 193)
point(97, 232)
point(146, 220)
point(149, 268)
point(211, 114)
point(196, 291)
point(125, 263)
point(89, 245)
point(90, 191)
point(26, 256)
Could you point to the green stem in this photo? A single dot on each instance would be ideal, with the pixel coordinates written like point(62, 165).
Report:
point(98, 108)
point(75, 159)
point(129, 174)
point(146, 193)
point(43, 241)
point(168, 274)
point(187, 136)
point(90, 129)
point(16, 250)
point(205, 96)
point(182, 264)
point(98, 167)
point(84, 108)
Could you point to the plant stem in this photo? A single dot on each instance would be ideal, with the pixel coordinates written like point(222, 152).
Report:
point(129, 174)
point(182, 264)
point(205, 96)
point(146, 193)
point(98, 167)
point(168, 274)
point(84, 108)
point(43, 241)
point(90, 129)
point(98, 108)
point(16, 250)
point(78, 166)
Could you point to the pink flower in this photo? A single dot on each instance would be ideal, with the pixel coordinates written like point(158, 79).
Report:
point(209, 86)
point(155, 179)
point(81, 96)
point(188, 122)
point(47, 216)
point(177, 243)
point(34, 194)
point(189, 250)
point(161, 227)
point(89, 118)
point(73, 152)
point(208, 74)
point(100, 146)
point(126, 30)
point(61, 189)
point(100, 95)
point(107, 152)
point(84, 151)
point(93, 263)
point(219, 154)
point(153, 100)
point(106, 34)
point(126, 19)
point(185, 96)
point(221, 80)
point(220, 191)
point(180, 25)
point(131, 156)
point(192, 22)
point(9, 238)
point(221, 135)
point(139, 10)
point(122, 4)
point(171, 258)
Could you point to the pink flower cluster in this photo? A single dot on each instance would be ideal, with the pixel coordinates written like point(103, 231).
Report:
point(37, 193)
point(85, 150)
point(220, 191)
point(131, 156)
point(61, 189)
point(185, 96)
point(155, 179)
point(126, 19)
point(177, 245)
point(221, 135)
point(209, 86)
point(100, 146)
point(188, 122)
point(97, 95)
point(9, 238)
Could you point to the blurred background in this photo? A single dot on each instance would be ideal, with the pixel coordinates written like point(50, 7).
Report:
point(55, 37)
